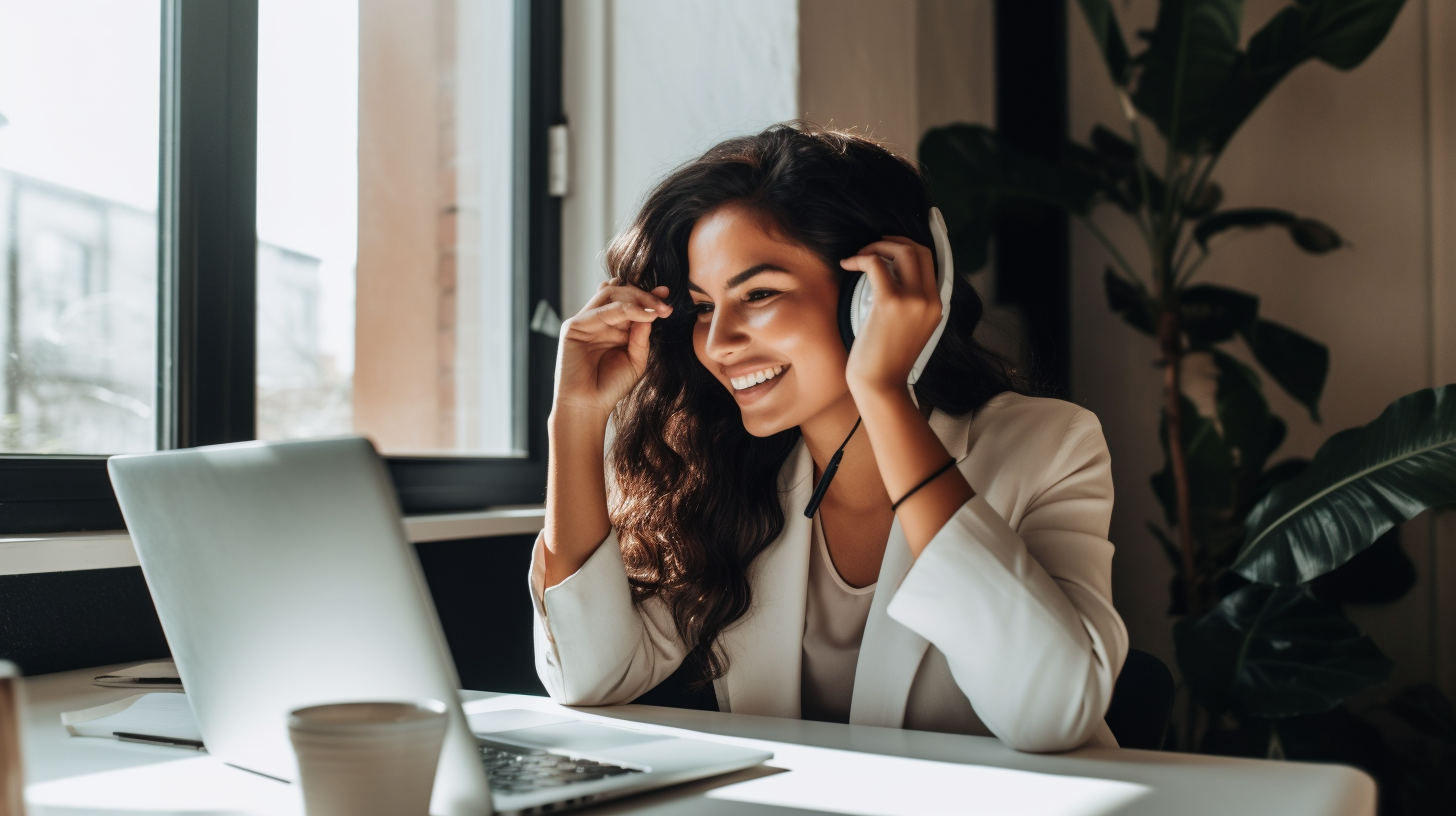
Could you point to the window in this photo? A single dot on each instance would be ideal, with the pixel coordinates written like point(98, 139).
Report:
point(78, 225)
point(432, 318)
point(289, 271)
point(308, 126)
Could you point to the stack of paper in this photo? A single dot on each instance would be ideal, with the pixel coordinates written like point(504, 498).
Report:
point(158, 718)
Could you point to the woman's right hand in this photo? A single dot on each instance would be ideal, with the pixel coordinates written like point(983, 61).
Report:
point(603, 349)
point(603, 353)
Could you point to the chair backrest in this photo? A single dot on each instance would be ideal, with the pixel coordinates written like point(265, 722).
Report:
point(1142, 702)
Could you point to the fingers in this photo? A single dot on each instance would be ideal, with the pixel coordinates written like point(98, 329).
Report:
point(638, 338)
point(612, 291)
point(914, 264)
point(620, 314)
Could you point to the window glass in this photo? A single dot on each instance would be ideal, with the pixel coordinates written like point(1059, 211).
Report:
point(79, 109)
point(387, 295)
point(308, 111)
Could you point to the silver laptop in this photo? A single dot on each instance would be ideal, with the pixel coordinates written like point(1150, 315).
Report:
point(283, 578)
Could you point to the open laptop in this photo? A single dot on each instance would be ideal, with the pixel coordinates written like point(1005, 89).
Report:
point(283, 578)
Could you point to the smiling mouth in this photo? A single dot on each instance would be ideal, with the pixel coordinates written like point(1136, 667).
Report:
point(755, 378)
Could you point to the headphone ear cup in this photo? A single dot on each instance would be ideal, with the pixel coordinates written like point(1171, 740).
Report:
point(848, 287)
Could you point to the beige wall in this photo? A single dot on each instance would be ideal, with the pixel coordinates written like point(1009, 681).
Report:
point(1363, 152)
point(893, 68)
point(857, 67)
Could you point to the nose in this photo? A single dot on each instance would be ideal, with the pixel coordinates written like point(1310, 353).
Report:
point(726, 336)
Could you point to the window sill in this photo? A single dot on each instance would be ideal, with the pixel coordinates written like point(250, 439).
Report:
point(65, 552)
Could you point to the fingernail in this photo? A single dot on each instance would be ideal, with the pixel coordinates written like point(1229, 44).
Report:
point(654, 311)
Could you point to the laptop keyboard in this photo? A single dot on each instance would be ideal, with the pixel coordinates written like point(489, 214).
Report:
point(511, 771)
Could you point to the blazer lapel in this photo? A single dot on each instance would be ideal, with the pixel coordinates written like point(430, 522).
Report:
point(890, 654)
point(765, 647)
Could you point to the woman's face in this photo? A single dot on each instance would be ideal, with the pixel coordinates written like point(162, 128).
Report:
point(767, 322)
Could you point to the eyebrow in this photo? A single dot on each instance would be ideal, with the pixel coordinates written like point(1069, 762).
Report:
point(741, 277)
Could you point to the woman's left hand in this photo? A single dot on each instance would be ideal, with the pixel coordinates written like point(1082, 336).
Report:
point(903, 315)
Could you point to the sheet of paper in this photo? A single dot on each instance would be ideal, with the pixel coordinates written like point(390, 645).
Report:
point(158, 714)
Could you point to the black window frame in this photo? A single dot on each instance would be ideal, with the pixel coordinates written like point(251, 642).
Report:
point(207, 262)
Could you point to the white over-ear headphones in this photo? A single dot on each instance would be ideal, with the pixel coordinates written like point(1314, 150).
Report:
point(858, 296)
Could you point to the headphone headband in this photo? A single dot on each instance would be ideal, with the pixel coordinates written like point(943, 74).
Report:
point(856, 297)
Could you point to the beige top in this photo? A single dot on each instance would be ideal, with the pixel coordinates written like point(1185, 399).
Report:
point(834, 623)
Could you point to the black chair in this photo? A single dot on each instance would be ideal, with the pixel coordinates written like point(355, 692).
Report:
point(1142, 702)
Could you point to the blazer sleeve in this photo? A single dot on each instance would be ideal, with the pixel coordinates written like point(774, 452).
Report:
point(1024, 615)
point(593, 645)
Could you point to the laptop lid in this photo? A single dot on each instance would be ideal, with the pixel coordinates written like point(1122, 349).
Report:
point(283, 578)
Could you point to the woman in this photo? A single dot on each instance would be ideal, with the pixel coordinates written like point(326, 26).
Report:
point(956, 573)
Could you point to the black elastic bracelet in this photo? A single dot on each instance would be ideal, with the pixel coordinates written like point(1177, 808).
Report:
point(928, 479)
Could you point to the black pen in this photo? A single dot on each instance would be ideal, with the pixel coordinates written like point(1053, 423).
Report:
point(171, 742)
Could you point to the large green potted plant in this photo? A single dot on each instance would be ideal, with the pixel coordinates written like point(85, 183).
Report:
point(1185, 95)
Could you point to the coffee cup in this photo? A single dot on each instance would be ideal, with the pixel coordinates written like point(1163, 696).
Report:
point(368, 758)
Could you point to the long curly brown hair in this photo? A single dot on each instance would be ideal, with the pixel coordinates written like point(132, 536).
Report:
point(695, 496)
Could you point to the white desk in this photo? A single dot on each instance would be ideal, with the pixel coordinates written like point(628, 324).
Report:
point(819, 768)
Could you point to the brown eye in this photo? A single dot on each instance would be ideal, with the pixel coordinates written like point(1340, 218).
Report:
point(760, 294)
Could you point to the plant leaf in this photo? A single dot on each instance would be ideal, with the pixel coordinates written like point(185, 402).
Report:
point(1276, 652)
point(1250, 432)
point(1362, 482)
point(1299, 364)
point(1114, 147)
point(1341, 33)
point(1279, 474)
point(1188, 66)
point(1103, 22)
point(1380, 573)
point(1212, 314)
point(1130, 300)
point(1247, 218)
point(1216, 530)
point(972, 170)
point(1204, 201)
point(1314, 236)
point(1426, 709)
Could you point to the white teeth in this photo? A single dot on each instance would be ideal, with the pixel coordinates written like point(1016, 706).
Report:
point(750, 380)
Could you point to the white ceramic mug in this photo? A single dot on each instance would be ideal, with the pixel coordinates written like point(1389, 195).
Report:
point(368, 759)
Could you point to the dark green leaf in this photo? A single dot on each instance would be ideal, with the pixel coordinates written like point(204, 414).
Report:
point(1247, 218)
point(1314, 236)
point(1203, 202)
point(1114, 147)
point(1362, 482)
point(1341, 33)
point(1250, 432)
point(1278, 475)
point(1380, 573)
point(1103, 22)
point(1275, 652)
point(1130, 300)
point(1427, 710)
point(1212, 314)
point(1188, 67)
point(1175, 557)
point(972, 171)
point(1211, 496)
point(1299, 364)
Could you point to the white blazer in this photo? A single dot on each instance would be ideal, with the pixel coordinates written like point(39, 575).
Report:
point(1003, 626)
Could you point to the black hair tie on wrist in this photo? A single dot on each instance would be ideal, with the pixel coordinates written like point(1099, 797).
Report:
point(928, 479)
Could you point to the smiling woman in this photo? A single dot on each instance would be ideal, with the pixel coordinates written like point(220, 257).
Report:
point(719, 351)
